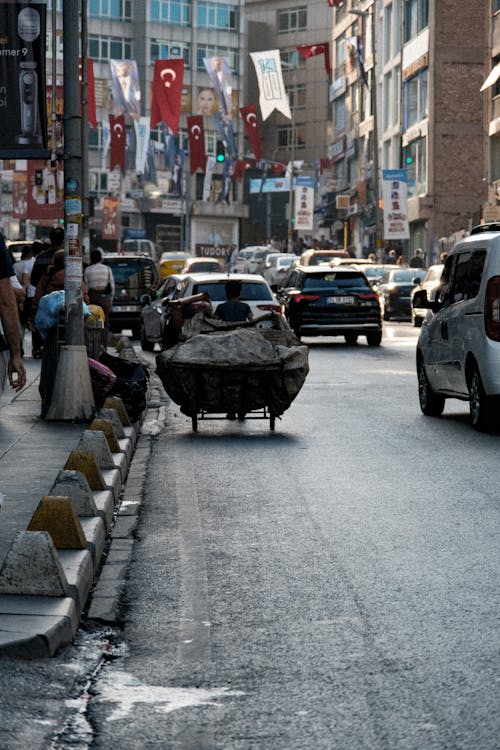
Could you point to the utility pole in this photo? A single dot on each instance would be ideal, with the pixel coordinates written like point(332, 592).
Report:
point(72, 398)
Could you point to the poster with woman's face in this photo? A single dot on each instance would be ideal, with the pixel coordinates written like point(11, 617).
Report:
point(207, 102)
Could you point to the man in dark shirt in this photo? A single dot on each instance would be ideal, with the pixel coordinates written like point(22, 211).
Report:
point(10, 322)
point(233, 311)
point(44, 259)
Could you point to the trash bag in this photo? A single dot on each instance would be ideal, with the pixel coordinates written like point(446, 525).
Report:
point(102, 379)
point(131, 384)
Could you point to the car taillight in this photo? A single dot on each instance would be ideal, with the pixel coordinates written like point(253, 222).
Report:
point(298, 298)
point(369, 296)
point(492, 309)
point(271, 308)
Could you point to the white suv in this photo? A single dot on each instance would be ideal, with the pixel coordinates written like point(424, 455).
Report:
point(458, 350)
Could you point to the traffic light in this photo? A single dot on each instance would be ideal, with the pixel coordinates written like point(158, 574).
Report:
point(220, 152)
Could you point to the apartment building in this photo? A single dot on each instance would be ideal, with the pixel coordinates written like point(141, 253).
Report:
point(425, 60)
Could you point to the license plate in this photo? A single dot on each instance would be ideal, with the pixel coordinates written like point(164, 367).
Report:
point(340, 300)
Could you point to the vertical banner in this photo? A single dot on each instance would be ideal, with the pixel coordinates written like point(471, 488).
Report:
point(125, 88)
point(23, 132)
point(207, 182)
point(141, 144)
point(304, 208)
point(118, 141)
point(110, 223)
point(395, 197)
point(270, 79)
point(166, 97)
point(219, 73)
point(196, 138)
point(249, 117)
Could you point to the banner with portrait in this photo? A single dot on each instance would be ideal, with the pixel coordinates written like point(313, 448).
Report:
point(125, 88)
point(22, 80)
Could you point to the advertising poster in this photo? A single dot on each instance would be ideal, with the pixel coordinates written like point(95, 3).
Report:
point(22, 80)
point(110, 223)
point(304, 208)
point(395, 197)
point(45, 190)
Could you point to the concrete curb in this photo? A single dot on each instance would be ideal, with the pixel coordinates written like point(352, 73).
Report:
point(36, 626)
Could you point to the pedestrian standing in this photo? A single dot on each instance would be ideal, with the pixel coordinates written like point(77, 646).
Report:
point(44, 259)
point(101, 288)
point(11, 363)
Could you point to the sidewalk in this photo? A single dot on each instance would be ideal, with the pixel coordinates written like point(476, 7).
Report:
point(32, 453)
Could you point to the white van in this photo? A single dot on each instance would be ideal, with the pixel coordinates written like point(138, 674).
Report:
point(139, 247)
point(458, 351)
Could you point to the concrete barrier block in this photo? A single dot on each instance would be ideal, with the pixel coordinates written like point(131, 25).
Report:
point(106, 427)
point(34, 637)
point(105, 504)
point(115, 402)
point(113, 416)
point(113, 480)
point(79, 569)
point(85, 461)
point(95, 533)
point(32, 567)
point(96, 442)
point(73, 484)
point(57, 516)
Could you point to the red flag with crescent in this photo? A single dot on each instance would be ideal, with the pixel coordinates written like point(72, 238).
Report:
point(196, 137)
point(118, 142)
point(167, 93)
point(311, 50)
point(240, 167)
point(249, 117)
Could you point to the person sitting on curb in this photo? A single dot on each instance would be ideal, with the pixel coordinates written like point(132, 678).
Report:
point(10, 344)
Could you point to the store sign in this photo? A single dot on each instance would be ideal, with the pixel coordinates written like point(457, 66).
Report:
point(395, 198)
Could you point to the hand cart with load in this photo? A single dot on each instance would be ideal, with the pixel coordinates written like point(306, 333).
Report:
point(252, 370)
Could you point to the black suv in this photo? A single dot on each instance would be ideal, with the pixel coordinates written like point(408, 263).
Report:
point(321, 301)
point(134, 276)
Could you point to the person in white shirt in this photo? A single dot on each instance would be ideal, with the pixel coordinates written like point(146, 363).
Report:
point(100, 287)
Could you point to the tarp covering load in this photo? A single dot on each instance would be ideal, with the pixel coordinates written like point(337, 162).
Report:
point(236, 370)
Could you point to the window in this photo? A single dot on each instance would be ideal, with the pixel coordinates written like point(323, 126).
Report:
point(416, 17)
point(98, 182)
point(292, 19)
point(209, 51)
point(388, 33)
point(120, 10)
point(162, 50)
point(103, 49)
point(463, 277)
point(217, 16)
point(292, 58)
point(415, 162)
point(415, 99)
point(175, 12)
point(285, 137)
point(297, 96)
point(339, 114)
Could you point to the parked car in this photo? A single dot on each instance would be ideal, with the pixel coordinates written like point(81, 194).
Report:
point(134, 276)
point(276, 268)
point(458, 350)
point(322, 301)
point(255, 261)
point(172, 263)
point(430, 283)
point(240, 264)
point(139, 246)
point(395, 291)
point(256, 292)
point(201, 265)
point(314, 257)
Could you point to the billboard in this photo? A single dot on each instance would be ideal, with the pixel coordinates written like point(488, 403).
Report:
point(22, 80)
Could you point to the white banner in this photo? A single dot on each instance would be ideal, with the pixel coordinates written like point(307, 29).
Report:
point(304, 208)
point(207, 182)
point(271, 87)
point(142, 130)
point(395, 197)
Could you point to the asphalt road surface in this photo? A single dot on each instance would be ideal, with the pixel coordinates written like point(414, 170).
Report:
point(331, 585)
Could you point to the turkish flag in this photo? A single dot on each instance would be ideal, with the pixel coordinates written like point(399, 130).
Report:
point(278, 169)
point(240, 167)
point(167, 93)
point(311, 50)
point(335, 3)
point(196, 136)
point(118, 142)
point(249, 117)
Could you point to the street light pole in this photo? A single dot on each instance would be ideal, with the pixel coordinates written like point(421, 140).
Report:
point(292, 67)
point(373, 104)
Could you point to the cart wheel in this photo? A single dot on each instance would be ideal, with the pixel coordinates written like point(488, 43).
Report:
point(194, 422)
point(272, 421)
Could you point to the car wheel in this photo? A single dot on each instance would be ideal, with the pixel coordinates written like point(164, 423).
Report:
point(146, 346)
point(351, 338)
point(136, 331)
point(431, 404)
point(374, 339)
point(483, 409)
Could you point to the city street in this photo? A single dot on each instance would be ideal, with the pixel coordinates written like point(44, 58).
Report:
point(331, 585)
